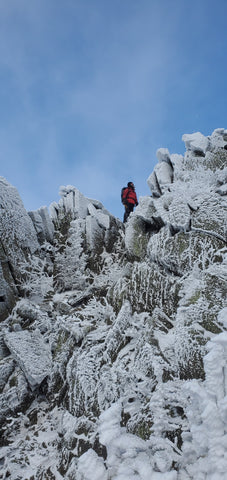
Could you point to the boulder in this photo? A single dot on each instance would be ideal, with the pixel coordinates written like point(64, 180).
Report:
point(196, 142)
point(31, 353)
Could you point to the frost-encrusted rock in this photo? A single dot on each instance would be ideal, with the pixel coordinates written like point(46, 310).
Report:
point(16, 228)
point(8, 290)
point(162, 175)
point(31, 353)
point(136, 325)
point(116, 338)
point(219, 138)
point(72, 201)
point(102, 218)
point(153, 184)
point(15, 397)
point(205, 445)
point(18, 240)
point(196, 142)
point(163, 155)
point(43, 224)
point(94, 234)
point(222, 190)
point(6, 368)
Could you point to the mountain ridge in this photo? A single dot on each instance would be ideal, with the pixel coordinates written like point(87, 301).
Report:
point(113, 337)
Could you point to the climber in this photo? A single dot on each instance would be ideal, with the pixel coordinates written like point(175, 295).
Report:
point(129, 199)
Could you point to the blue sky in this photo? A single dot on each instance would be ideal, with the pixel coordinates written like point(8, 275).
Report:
point(90, 89)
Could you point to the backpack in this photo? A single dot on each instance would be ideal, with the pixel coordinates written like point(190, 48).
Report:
point(122, 191)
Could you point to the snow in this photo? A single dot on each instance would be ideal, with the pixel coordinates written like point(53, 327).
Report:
point(208, 414)
point(15, 221)
point(102, 218)
point(164, 173)
point(43, 224)
point(73, 200)
point(196, 142)
point(131, 340)
point(31, 353)
point(93, 232)
point(91, 467)
point(163, 155)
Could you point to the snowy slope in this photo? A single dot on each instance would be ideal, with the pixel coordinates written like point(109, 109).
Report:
point(113, 359)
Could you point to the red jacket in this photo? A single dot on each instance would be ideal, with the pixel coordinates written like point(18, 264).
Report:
point(129, 196)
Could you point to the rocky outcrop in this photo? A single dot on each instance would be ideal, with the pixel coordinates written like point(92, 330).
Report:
point(17, 240)
point(119, 351)
point(100, 226)
point(43, 224)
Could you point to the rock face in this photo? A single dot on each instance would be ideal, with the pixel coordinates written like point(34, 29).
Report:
point(113, 365)
point(17, 240)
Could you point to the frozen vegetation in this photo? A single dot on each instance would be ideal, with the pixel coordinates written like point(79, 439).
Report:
point(113, 342)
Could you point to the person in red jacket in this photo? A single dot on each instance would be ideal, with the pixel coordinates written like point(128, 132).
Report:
point(129, 200)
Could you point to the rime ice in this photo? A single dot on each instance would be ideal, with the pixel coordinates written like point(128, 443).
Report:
point(113, 340)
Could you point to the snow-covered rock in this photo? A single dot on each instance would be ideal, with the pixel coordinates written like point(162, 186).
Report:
point(43, 224)
point(17, 239)
point(15, 223)
point(118, 370)
point(31, 353)
point(162, 175)
point(196, 142)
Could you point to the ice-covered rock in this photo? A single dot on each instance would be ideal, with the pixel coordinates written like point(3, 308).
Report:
point(72, 200)
point(196, 142)
point(163, 155)
point(18, 239)
point(16, 224)
point(102, 218)
point(131, 340)
point(31, 353)
point(43, 224)
point(219, 138)
point(90, 466)
point(207, 443)
point(8, 289)
point(162, 174)
point(94, 234)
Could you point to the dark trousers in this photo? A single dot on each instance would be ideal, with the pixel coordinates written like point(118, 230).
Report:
point(129, 207)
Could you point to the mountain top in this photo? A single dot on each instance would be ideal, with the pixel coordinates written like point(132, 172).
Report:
point(113, 338)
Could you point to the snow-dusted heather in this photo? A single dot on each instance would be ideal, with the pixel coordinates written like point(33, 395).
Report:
point(114, 365)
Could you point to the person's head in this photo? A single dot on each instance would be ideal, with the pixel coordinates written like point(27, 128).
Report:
point(131, 185)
